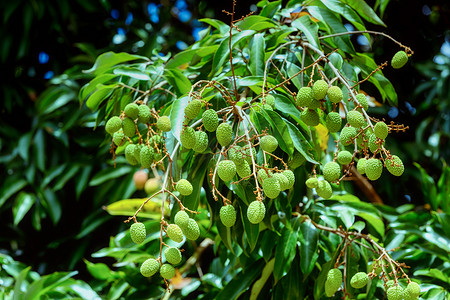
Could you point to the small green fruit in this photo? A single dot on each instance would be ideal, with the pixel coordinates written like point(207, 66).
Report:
point(359, 280)
point(146, 155)
point(324, 189)
point(129, 128)
point(256, 211)
point(320, 89)
point(362, 99)
point(412, 290)
point(131, 111)
point(263, 175)
point(184, 187)
point(394, 165)
point(305, 97)
point(333, 122)
point(188, 137)
point(167, 271)
point(271, 187)
point(224, 134)
point(119, 138)
point(282, 180)
point(331, 171)
point(334, 93)
point(210, 120)
point(381, 130)
point(137, 152)
point(173, 255)
point(163, 123)
point(175, 233)
point(193, 109)
point(355, 119)
point(290, 177)
point(297, 160)
point(312, 182)
point(149, 267)
point(181, 219)
point(268, 143)
point(144, 114)
point(227, 215)
point(344, 157)
point(374, 143)
point(310, 117)
point(399, 60)
point(248, 154)
point(236, 154)
point(192, 231)
point(374, 168)
point(270, 100)
point(201, 142)
point(333, 282)
point(129, 154)
point(244, 170)
point(114, 124)
point(361, 165)
point(347, 135)
point(137, 232)
point(226, 170)
point(395, 293)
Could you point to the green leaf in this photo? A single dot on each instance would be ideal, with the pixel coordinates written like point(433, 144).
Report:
point(308, 28)
point(52, 205)
point(196, 178)
point(177, 116)
point(90, 87)
point(11, 187)
point(132, 73)
point(101, 93)
point(269, 9)
point(300, 142)
point(257, 23)
point(221, 26)
point(285, 252)
point(68, 174)
point(257, 55)
point(251, 230)
point(365, 11)
point(127, 207)
point(22, 205)
point(280, 131)
point(259, 284)
point(48, 283)
point(309, 241)
point(178, 80)
point(108, 174)
point(99, 270)
point(110, 59)
point(39, 149)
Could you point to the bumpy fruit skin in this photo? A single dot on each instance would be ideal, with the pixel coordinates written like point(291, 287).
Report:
point(333, 282)
point(297, 160)
point(184, 187)
point(114, 124)
point(270, 100)
point(149, 267)
point(131, 111)
point(146, 155)
point(255, 212)
point(305, 97)
point(192, 231)
point(395, 293)
point(374, 168)
point(201, 142)
point(347, 135)
point(389, 284)
point(224, 134)
point(310, 117)
point(290, 177)
point(381, 130)
point(175, 233)
point(187, 137)
point(173, 255)
point(362, 99)
point(137, 152)
point(227, 215)
point(268, 143)
point(399, 60)
point(331, 171)
point(181, 219)
point(412, 291)
point(244, 170)
point(312, 183)
point(374, 143)
point(119, 138)
point(333, 122)
point(324, 189)
point(129, 128)
point(271, 187)
point(210, 120)
point(236, 154)
point(394, 165)
point(226, 170)
point(344, 157)
point(137, 232)
point(167, 271)
point(361, 165)
point(359, 280)
point(144, 114)
point(320, 89)
point(163, 123)
point(129, 154)
point(262, 175)
point(193, 109)
point(248, 154)
point(282, 180)
point(335, 95)
point(355, 119)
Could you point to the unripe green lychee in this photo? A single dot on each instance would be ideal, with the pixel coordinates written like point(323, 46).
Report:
point(290, 177)
point(210, 120)
point(374, 168)
point(270, 100)
point(271, 187)
point(381, 130)
point(282, 180)
point(167, 271)
point(184, 187)
point(394, 165)
point(331, 171)
point(310, 117)
point(333, 122)
point(362, 99)
point(412, 290)
point(224, 134)
point(389, 284)
point(344, 157)
point(244, 170)
point(361, 165)
point(163, 123)
point(173, 255)
point(226, 170)
point(347, 135)
point(256, 211)
point(359, 280)
point(227, 215)
point(192, 231)
point(137, 153)
point(114, 124)
point(324, 189)
point(320, 89)
point(144, 114)
point(334, 93)
point(262, 175)
point(297, 160)
point(119, 138)
point(305, 97)
point(131, 111)
point(355, 119)
point(181, 219)
point(201, 142)
point(193, 109)
point(188, 137)
point(312, 182)
point(147, 154)
point(395, 293)
point(149, 267)
point(399, 60)
point(374, 143)
point(137, 232)
point(248, 154)
point(268, 143)
point(333, 282)
point(236, 154)
point(129, 128)
point(129, 154)
point(175, 233)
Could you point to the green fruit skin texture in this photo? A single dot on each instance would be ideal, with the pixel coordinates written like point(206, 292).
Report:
point(334, 93)
point(333, 282)
point(297, 160)
point(290, 177)
point(167, 271)
point(362, 99)
point(201, 142)
point(324, 189)
point(271, 187)
point(184, 187)
point(137, 152)
point(210, 120)
point(149, 267)
point(270, 100)
point(312, 183)
point(131, 111)
point(244, 170)
point(146, 155)
point(137, 232)
point(226, 170)
point(188, 137)
point(129, 128)
point(399, 60)
point(144, 114)
point(331, 171)
point(347, 135)
point(256, 212)
point(224, 134)
point(282, 180)
point(344, 157)
point(192, 231)
point(395, 165)
point(374, 143)
point(175, 233)
point(320, 89)
point(395, 293)
point(333, 122)
point(119, 138)
point(374, 168)
point(193, 109)
point(129, 154)
point(268, 143)
point(359, 280)
point(227, 215)
point(412, 290)
point(163, 124)
point(236, 154)
point(361, 165)
point(305, 97)
point(173, 255)
point(114, 124)
point(310, 117)
point(262, 175)
point(381, 130)
point(181, 219)
point(355, 119)
point(248, 154)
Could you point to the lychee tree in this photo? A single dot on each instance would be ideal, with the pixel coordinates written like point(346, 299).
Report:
point(254, 132)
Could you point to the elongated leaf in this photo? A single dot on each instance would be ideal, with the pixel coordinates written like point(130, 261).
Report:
point(132, 72)
point(10, 188)
point(108, 174)
point(257, 55)
point(257, 23)
point(308, 28)
point(90, 87)
point(309, 241)
point(100, 94)
point(365, 11)
point(285, 252)
point(177, 116)
point(259, 284)
point(178, 80)
point(300, 142)
point(22, 205)
point(280, 131)
point(127, 207)
point(110, 59)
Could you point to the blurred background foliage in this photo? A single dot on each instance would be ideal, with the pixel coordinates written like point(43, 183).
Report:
point(56, 178)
